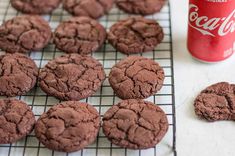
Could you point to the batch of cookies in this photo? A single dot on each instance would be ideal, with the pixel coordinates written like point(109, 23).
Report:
point(72, 125)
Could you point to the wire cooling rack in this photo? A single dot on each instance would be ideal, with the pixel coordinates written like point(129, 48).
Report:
point(104, 98)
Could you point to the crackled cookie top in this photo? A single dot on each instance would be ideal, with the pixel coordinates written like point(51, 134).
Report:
point(68, 126)
point(79, 35)
point(136, 77)
point(35, 6)
point(216, 102)
point(16, 120)
point(90, 8)
point(18, 74)
point(24, 33)
point(71, 77)
point(143, 7)
point(135, 124)
point(135, 35)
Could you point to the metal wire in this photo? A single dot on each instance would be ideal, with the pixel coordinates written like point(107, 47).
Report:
point(104, 98)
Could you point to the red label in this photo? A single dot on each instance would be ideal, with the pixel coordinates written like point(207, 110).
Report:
point(211, 29)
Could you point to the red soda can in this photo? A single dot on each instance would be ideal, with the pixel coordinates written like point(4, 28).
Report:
point(211, 29)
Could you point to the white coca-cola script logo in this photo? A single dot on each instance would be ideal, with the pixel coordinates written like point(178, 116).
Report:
point(207, 26)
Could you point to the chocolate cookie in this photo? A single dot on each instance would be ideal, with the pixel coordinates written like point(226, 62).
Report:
point(136, 77)
point(24, 33)
point(135, 35)
point(18, 74)
point(79, 35)
point(69, 126)
point(216, 102)
point(71, 77)
point(143, 7)
point(90, 8)
point(35, 6)
point(16, 120)
point(135, 124)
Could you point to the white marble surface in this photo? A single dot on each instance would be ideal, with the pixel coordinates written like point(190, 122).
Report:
point(196, 137)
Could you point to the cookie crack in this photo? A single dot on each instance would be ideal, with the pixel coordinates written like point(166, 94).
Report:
point(138, 34)
point(73, 82)
point(132, 78)
point(113, 119)
point(75, 4)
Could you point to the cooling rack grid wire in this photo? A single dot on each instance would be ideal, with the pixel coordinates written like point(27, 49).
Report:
point(104, 98)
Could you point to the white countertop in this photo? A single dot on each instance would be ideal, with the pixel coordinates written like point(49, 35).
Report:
point(196, 137)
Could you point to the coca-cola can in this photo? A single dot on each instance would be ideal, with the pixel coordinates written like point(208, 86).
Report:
point(211, 29)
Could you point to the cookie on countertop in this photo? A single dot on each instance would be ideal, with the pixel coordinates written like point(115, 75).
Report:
point(143, 7)
point(136, 77)
point(18, 74)
point(16, 120)
point(135, 124)
point(135, 35)
point(24, 33)
point(81, 35)
point(72, 77)
point(69, 126)
point(216, 102)
point(35, 6)
point(91, 8)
